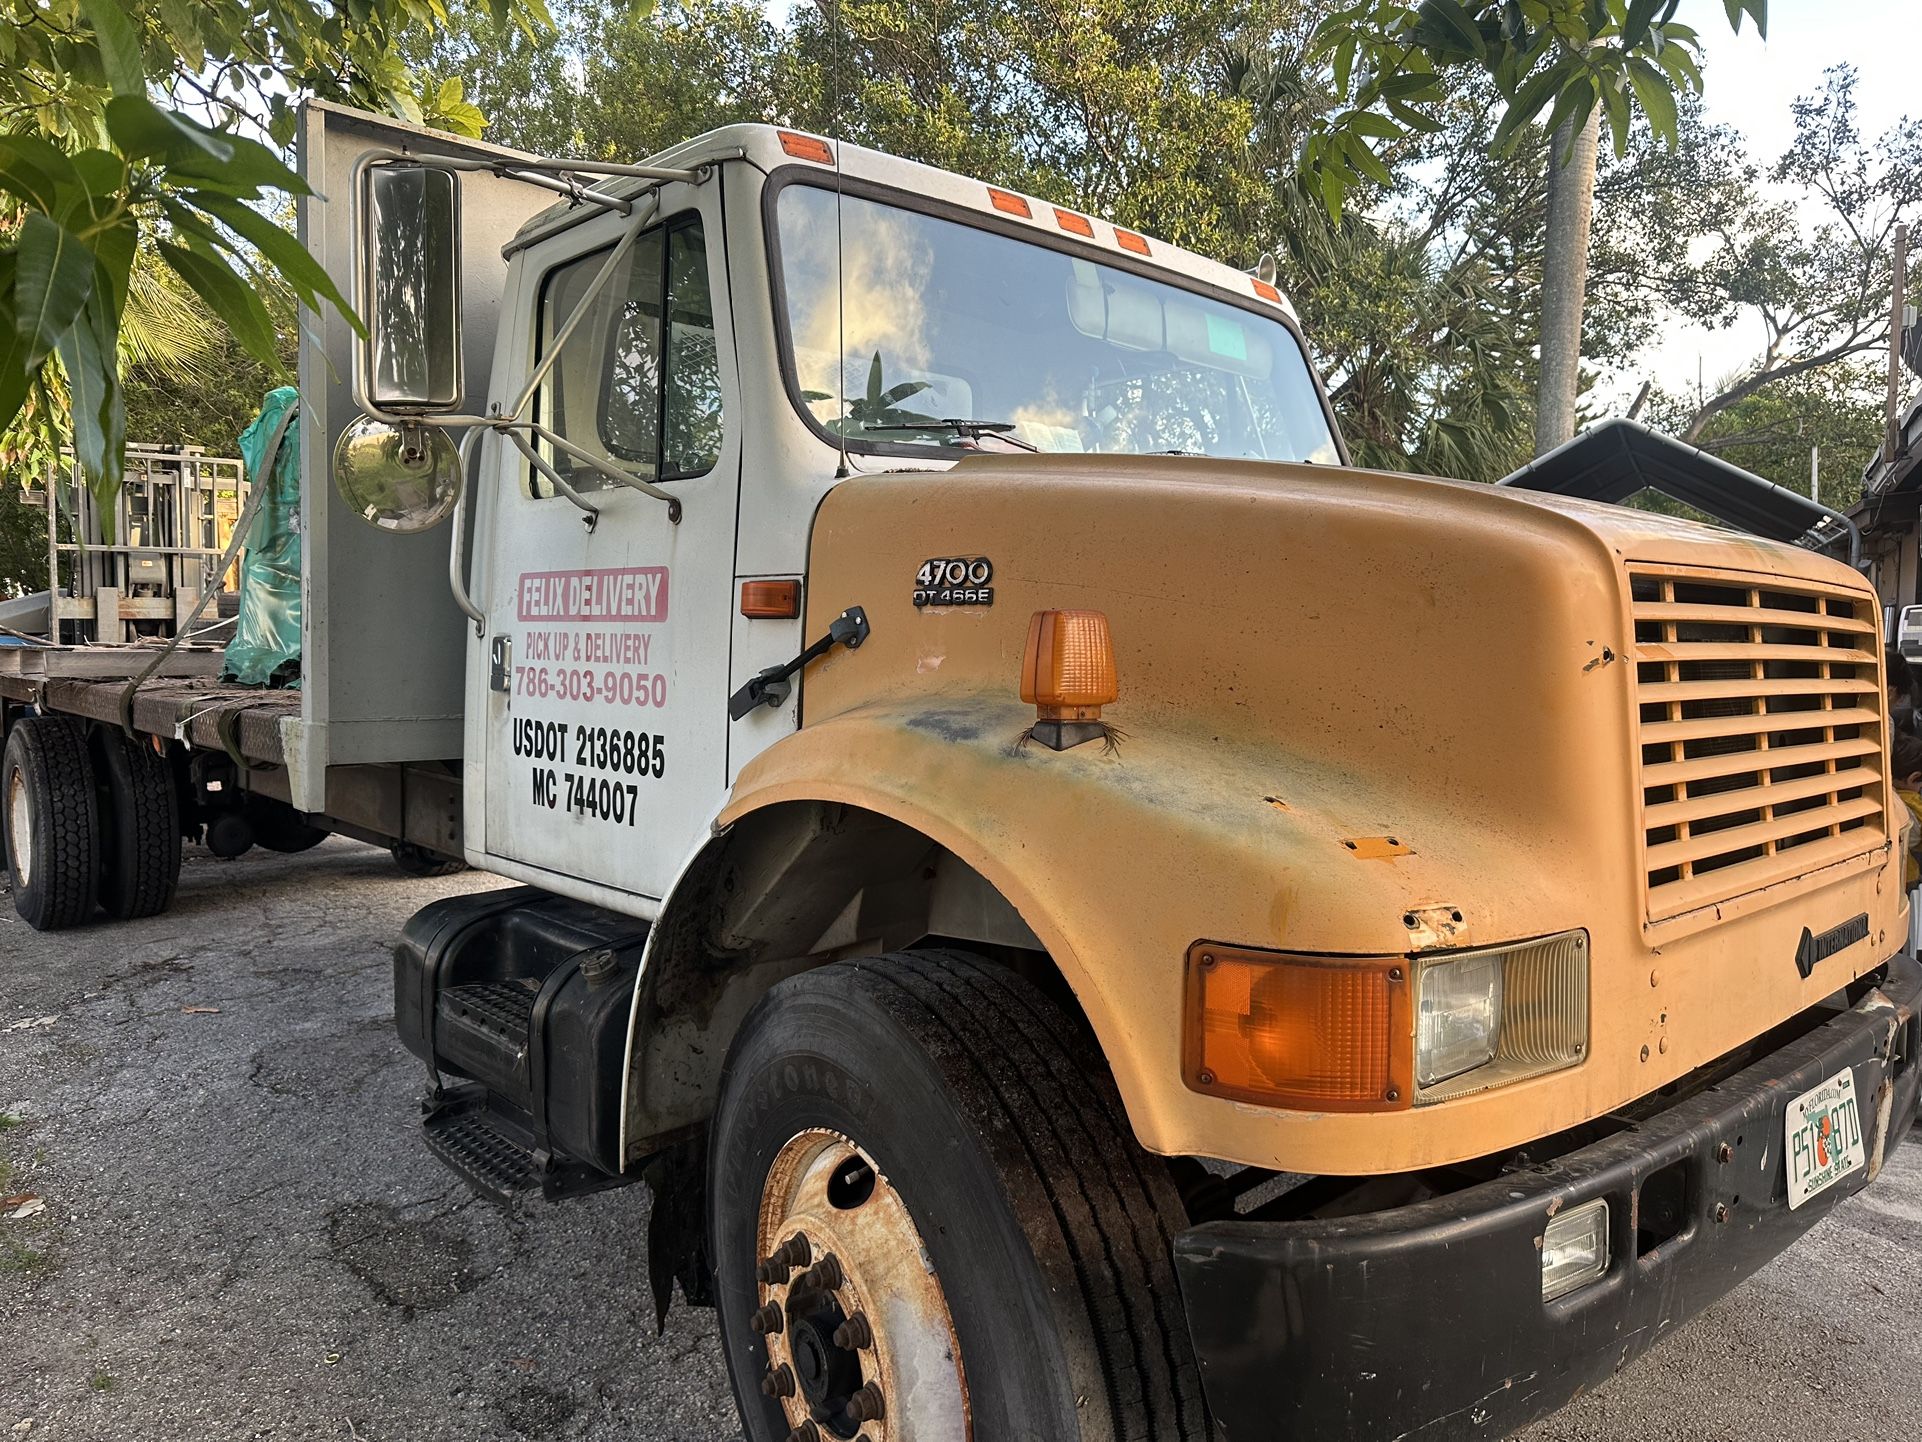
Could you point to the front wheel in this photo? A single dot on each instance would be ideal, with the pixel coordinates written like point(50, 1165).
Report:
point(930, 1221)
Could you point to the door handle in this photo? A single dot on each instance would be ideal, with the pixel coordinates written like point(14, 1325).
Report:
point(772, 686)
point(500, 673)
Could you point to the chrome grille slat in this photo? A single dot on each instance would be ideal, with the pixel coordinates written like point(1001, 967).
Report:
point(1761, 731)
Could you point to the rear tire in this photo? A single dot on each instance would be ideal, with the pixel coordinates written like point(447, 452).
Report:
point(52, 823)
point(140, 826)
point(1042, 1224)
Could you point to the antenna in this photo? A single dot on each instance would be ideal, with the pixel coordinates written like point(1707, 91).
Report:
point(840, 262)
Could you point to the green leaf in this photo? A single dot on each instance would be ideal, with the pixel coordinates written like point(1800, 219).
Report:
point(1658, 102)
point(281, 250)
point(1572, 106)
point(229, 297)
point(1447, 21)
point(183, 30)
point(1364, 160)
point(1409, 85)
point(1414, 119)
point(1636, 20)
point(1379, 127)
point(1615, 107)
point(1528, 101)
point(119, 42)
point(251, 166)
point(141, 129)
point(113, 248)
point(88, 353)
point(52, 279)
point(1331, 192)
point(34, 170)
point(102, 177)
point(15, 374)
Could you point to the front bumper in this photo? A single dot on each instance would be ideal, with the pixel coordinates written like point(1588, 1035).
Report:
point(1428, 1320)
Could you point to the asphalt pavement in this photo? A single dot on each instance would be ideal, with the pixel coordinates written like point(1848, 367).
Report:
point(239, 1235)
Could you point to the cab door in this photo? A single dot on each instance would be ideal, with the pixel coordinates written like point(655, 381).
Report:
point(605, 672)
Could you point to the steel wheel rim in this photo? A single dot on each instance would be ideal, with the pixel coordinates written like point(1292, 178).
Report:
point(19, 828)
point(836, 1243)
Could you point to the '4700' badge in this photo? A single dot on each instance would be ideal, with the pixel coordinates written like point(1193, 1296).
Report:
point(955, 581)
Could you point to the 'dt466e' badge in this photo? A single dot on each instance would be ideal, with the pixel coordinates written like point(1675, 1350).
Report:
point(955, 581)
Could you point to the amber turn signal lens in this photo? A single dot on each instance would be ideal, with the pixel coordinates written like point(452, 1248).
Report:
point(770, 600)
point(806, 147)
point(1318, 1033)
point(1067, 670)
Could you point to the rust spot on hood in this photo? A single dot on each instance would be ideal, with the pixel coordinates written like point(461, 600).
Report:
point(1377, 848)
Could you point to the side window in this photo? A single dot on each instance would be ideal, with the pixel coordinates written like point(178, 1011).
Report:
point(638, 382)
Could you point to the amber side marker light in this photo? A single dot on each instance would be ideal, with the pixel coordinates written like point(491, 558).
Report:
point(1068, 674)
point(770, 600)
point(1128, 240)
point(1009, 203)
point(807, 147)
point(1331, 1034)
point(1266, 290)
point(1074, 224)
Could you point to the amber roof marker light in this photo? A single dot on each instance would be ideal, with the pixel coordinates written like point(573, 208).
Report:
point(1068, 674)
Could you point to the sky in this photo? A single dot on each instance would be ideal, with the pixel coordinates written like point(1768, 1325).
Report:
point(1749, 83)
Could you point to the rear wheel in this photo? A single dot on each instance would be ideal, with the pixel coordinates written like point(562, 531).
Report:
point(930, 1222)
point(52, 824)
point(140, 826)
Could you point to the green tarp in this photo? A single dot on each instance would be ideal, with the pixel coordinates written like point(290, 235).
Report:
point(265, 650)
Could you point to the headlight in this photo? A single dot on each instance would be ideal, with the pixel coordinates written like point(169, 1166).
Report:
point(1458, 1017)
point(1486, 1018)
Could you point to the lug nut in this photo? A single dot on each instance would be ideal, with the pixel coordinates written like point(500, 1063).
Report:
point(768, 1319)
point(772, 1271)
point(854, 1334)
point(779, 1382)
point(797, 1251)
point(806, 1432)
point(826, 1274)
point(866, 1406)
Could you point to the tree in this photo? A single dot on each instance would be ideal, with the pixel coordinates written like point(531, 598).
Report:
point(1578, 60)
point(92, 170)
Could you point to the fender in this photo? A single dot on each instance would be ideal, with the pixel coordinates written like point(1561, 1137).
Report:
point(1091, 846)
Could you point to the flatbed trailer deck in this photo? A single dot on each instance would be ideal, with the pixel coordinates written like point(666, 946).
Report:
point(227, 744)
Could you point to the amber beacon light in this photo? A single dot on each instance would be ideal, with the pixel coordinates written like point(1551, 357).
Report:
point(1068, 674)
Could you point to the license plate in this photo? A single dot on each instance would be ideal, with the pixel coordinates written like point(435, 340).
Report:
point(1823, 1137)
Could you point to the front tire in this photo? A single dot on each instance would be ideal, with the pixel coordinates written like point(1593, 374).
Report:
point(52, 821)
point(940, 1087)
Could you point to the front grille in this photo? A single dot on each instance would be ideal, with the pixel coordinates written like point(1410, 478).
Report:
point(1761, 714)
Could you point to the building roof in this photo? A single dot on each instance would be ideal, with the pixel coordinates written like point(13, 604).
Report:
point(1618, 459)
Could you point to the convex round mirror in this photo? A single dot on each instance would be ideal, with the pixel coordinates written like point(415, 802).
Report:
point(402, 478)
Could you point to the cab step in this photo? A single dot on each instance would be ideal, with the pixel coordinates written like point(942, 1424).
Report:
point(493, 1152)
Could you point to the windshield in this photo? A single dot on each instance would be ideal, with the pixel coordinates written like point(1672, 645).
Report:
point(953, 337)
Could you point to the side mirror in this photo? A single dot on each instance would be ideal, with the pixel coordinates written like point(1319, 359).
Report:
point(410, 284)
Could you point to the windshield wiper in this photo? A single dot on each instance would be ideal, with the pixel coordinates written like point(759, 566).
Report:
point(969, 430)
